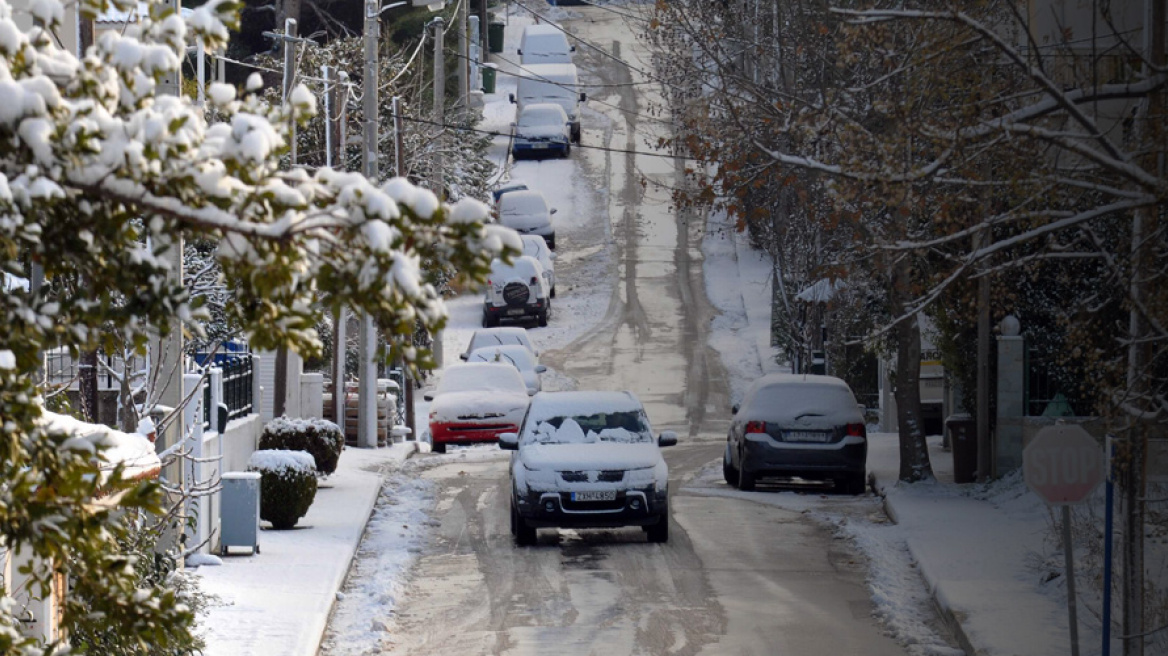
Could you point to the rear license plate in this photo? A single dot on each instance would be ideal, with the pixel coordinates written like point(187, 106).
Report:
point(514, 312)
point(603, 495)
point(539, 145)
point(806, 436)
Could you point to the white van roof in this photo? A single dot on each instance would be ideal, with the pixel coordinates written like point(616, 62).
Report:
point(539, 29)
point(554, 72)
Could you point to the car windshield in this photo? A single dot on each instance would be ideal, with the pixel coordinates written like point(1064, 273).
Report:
point(539, 117)
point(523, 203)
point(494, 338)
point(531, 247)
point(627, 427)
point(520, 357)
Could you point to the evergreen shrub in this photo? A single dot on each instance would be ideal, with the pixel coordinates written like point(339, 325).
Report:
point(321, 438)
point(287, 485)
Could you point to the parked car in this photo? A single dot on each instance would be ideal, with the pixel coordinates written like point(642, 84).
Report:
point(551, 83)
point(497, 337)
point(506, 187)
point(587, 460)
point(542, 130)
point(516, 291)
point(475, 402)
point(795, 425)
point(516, 355)
point(544, 44)
point(535, 246)
point(527, 213)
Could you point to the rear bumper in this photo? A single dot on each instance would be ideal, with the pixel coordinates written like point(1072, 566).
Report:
point(531, 311)
point(557, 510)
point(468, 432)
point(768, 457)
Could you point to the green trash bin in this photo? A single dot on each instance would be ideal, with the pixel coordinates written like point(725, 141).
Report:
point(489, 78)
point(495, 37)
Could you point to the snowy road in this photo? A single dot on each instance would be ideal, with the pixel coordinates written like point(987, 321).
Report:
point(737, 577)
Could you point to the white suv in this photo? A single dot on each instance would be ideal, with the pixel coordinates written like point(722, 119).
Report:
point(587, 460)
point(517, 291)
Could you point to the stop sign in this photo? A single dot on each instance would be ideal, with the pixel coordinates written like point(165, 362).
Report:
point(1063, 464)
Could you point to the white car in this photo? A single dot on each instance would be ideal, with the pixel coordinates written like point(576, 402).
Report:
point(516, 291)
point(498, 337)
point(535, 246)
point(517, 356)
point(587, 460)
point(544, 44)
point(542, 130)
point(527, 213)
point(475, 402)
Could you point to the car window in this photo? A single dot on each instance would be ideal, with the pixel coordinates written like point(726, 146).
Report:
point(536, 117)
point(523, 203)
point(795, 399)
point(627, 427)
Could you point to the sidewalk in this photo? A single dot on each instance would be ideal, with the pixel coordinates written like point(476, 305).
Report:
point(973, 554)
point(278, 602)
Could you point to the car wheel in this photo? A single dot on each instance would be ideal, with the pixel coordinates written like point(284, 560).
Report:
point(854, 484)
point(438, 447)
point(729, 473)
point(543, 318)
point(568, 150)
point(524, 534)
point(659, 532)
point(745, 478)
point(553, 294)
point(514, 519)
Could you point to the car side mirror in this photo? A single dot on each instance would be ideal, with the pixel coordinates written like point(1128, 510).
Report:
point(733, 408)
point(572, 48)
point(583, 97)
point(531, 391)
point(667, 438)
point(462, 356)
point(429, 396)
point(539, 368)
point(513, 124)
point(551, 255)
point(553, 211)
point(519, 52)
point(511, 97)
point(509, 441)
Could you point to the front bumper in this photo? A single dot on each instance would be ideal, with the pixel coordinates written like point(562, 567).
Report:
point(465, 432)
point(557, 510)
point(539, 149)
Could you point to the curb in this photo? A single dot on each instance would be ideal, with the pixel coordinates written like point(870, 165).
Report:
point(950, 618)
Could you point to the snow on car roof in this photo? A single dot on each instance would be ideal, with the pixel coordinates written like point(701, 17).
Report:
point(472, 376)
point(549, 405)
point(523, 266)
point(523, 202)
point(499, 335)
point(516, 354)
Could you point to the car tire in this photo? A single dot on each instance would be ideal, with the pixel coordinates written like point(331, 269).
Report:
point(438, 447)
point(524, 535)
point(745, 479)
point(489, 321)
point(553, 294)
point(543, 318)
point(729, 473)
point(567, 151)
point(514, 519)
point(854, 484)
point(659, 532)
point(551, 243)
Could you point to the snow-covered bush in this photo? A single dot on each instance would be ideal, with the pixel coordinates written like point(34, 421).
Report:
point(287, 485)
point(321, 438)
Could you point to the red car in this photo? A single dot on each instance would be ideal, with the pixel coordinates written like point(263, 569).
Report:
point(475, 402)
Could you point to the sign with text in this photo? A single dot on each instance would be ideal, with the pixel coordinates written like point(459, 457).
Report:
point(1063, 464)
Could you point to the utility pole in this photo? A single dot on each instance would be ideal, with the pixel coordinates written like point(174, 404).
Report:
point(367, 373)
point(290, 74)
point(280, 391)
point(399, 162)
point(437, 183)
point(339, 336)
point(463, 56)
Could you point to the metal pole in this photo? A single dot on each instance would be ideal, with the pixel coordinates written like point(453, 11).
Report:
point(201, 71)
point(367, 378)
point(330, 100)
point(984, 443)
point(1108, 531)
point(437, 185)
point(463, 56)
point(290, 73)
point(399, 162)
point(1070, 564)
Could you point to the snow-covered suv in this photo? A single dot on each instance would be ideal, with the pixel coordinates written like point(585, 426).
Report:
point(587, 460)
point(517, 291)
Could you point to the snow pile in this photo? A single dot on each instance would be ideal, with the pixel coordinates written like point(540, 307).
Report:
point(133, 451)
point(279, 461)
point(570, 432)
point(284, 425)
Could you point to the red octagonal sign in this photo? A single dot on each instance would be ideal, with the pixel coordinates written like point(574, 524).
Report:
point(1063, 464)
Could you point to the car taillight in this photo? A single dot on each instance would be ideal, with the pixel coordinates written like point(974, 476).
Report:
point(756, 427)
point(857, 430)
point(534, 281)
point(489, 283)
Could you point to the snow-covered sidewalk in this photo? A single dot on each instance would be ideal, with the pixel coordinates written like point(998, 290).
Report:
point(278, 601)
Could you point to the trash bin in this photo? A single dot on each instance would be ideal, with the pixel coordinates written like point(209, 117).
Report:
point(239, 512)
point(495, 37)
point(962, 430)
point(489, 78)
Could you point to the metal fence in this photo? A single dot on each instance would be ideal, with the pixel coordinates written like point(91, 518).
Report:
point(237, 388)
point(61, 368)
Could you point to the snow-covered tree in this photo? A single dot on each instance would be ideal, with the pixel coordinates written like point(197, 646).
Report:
point(99, 174)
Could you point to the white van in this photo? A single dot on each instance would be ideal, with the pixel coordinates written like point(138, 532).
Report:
point(544, 44)
point(551, 83)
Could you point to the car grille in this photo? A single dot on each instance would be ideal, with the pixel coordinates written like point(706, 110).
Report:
point(605, 476)
point(488, 415)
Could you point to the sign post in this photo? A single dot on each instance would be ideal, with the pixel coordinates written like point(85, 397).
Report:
point(1063, 464)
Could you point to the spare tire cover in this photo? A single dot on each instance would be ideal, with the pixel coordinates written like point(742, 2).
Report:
point(516, 294)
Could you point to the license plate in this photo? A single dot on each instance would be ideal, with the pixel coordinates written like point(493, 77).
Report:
point(603, 495)
point(539, 145)
point(806, 436)
point(514, 312)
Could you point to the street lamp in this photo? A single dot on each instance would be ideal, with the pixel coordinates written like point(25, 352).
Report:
point(372, 12)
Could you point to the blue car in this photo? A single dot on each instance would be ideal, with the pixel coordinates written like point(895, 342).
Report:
point(542, 130)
